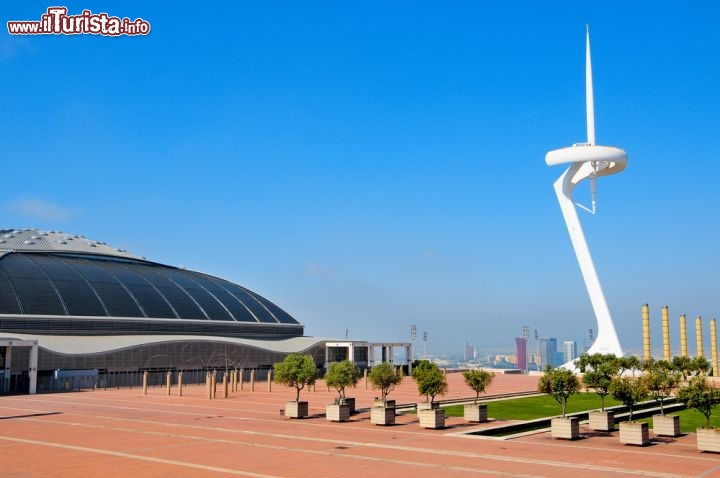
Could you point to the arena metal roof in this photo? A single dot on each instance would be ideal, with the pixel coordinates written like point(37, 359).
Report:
point(56, 241)
point(53, 274)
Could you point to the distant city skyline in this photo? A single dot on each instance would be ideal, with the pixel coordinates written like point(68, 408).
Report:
point(371, 166)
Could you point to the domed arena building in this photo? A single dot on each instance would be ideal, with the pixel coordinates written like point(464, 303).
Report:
point(74, 307)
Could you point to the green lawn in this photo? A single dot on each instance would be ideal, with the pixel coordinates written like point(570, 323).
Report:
point(690, 420)
point(529, 408)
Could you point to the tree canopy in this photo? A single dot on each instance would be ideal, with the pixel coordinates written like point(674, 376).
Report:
point(478, 380)
point(341, 375)
point(700, 396)
point(430, 380)
point(296, 371)
point(560, 384)
point(690, 366)
point(599, 370)
point(384, 378)
point(660, 379)
point(629, 390)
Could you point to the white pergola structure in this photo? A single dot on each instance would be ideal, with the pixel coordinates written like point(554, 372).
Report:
point(9, 344)
point(386, 349)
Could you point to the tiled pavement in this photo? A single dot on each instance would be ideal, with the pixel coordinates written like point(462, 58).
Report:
point(125, 433)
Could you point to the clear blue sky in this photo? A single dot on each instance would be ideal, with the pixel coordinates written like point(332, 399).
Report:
point(381, 164)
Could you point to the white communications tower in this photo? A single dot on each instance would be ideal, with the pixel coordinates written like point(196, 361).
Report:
point(588, 161)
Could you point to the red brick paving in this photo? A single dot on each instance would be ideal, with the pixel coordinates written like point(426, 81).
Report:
point(122, 432)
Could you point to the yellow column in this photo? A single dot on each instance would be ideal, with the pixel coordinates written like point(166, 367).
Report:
point(252, 380)
point(225, 385)
point(269, 380)
point(213, 384)
point(713, 347)
point(242, 378)
point(666, 332)
point(180, 384)
point(208, 384)
point(145, 382)
point(683, 336)
point(698, 336)
point(646, 331)
point(168, 381)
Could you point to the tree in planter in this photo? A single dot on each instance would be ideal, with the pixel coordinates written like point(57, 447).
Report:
point(628, 390)
point(700, 396)
point(560, 384)
point(341, 375)
point(660, 379)
point(295, 371)
point(430, 380)
point(599, 370)
point(478, 380)
point(384, 378)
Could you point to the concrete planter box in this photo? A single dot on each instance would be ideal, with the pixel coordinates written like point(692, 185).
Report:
point(708, 439)
point(337, 413)
point(634, 433)
point(295, 409)
point(432, 418)
point(666, 425)
point(382, 415)
point(566, 428)
point(475, 413)
point(427, 406)
point(349, 401)
point(602, 421)
point(383, 403)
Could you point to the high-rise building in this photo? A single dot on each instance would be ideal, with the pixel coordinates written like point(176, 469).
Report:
point(569, 350)
point(548, 352)
point(468, 352)
point(521, 346)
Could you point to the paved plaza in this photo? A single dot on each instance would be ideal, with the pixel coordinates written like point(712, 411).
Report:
point(125, 433)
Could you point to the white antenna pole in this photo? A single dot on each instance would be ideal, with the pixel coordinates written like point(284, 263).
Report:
point(589, 99)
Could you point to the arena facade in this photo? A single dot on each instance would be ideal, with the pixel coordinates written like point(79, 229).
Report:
point(74, 307)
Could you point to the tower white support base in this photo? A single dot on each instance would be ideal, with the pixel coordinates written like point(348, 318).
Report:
point(607, 340)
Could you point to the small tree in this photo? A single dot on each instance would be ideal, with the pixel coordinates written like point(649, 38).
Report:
point(661, 380)
point(629, 390)
point(599, 370)
point(700, 396)
point(559, 383)
point(384, 378)
point(296, 371)
point(341, 375)
point(430, 380)
point(699, 366)
point(628, 364)
point(690, 366)
point(683, 365)
point(479, 380)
